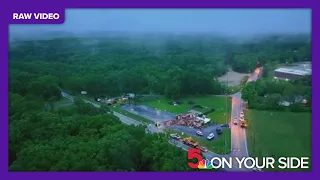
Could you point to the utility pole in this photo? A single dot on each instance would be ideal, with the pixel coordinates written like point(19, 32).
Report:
point(254, 142)
point(225, 137)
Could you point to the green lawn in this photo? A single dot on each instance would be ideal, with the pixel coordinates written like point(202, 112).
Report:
point(217, 146)
point(207, 102)
point(283, 134)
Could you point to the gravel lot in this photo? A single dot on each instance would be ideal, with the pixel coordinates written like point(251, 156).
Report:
point(233, 78)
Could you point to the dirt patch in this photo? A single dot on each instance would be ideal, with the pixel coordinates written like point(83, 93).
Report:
point(232, 78)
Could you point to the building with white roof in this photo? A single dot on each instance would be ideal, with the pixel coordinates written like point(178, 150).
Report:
point(291, 74)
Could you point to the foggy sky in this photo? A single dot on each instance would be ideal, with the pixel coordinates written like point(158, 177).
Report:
point(226, 21)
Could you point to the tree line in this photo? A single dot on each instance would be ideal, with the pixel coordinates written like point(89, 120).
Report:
point(175, 67)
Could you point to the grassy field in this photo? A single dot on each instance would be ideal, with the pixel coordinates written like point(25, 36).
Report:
point(217, 146)
point(282, 134)
point(207, 102)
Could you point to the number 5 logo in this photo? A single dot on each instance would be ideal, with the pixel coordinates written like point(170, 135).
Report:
point(194, 154)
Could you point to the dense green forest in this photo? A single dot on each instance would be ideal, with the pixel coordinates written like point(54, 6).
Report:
point(83, 138)
point(175, 66)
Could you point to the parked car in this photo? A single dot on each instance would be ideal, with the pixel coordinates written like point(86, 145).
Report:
point(219, 130)
point(175, 136)
point(210, 136)
point(199, 133)
point(225, 125)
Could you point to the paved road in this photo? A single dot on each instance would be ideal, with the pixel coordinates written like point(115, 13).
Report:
point(149, 112)
point(255, 75)
point(68, 96)
point(127, 120)
point(239, 147)
point(238, 134)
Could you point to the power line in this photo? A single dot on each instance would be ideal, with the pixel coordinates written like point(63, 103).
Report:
point(225, 136)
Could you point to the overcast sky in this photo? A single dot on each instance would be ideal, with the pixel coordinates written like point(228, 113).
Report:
point(227, 21)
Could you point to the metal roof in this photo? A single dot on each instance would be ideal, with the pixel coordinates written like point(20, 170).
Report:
point(293, 71)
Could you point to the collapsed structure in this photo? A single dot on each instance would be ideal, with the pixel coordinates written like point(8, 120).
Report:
point(190, 119)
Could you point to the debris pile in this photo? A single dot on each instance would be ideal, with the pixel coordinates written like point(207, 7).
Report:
point(190, 120)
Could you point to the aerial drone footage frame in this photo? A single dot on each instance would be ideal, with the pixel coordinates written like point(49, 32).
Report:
point(24, 7)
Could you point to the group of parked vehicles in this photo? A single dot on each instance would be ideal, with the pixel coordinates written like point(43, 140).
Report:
point(211, 135)
point(189, 142)
point(192, 143)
